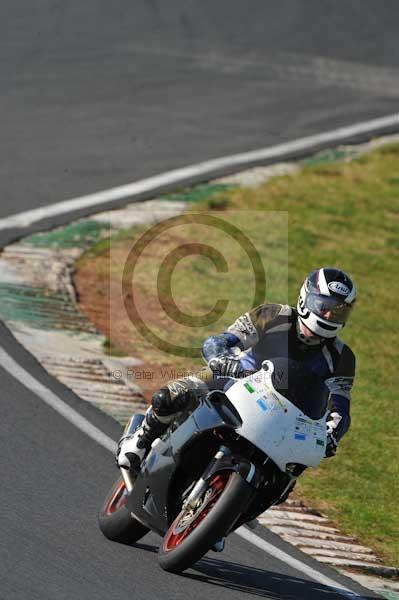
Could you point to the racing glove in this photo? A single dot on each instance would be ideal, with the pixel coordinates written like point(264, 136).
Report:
point(332, 424)
point(331, 447)
point(225, 366)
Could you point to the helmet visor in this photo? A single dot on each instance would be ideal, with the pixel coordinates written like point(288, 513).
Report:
point(328, 308)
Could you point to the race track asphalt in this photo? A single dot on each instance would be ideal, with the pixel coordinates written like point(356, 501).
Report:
point(97, 94)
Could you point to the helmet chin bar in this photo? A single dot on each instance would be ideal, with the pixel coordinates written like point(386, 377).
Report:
point(315, 324)
point(313, 340)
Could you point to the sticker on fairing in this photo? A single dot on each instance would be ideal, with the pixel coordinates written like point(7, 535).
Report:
point(307, 427)
point(300, 436)
point(262, 404)
point(249, 388)
point(302, 426)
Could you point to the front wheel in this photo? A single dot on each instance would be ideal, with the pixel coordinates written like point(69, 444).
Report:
point(114, 519)
point(195, 531)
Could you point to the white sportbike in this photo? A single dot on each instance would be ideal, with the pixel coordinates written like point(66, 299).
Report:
point(222, 463)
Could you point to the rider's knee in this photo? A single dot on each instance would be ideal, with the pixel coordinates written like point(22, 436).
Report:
point(165, 404)
point(162, 402)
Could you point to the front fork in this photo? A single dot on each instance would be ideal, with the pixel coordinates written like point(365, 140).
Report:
point(128, 480)
point(222, 461)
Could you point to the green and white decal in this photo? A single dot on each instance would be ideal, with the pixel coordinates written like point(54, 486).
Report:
point(249, 388)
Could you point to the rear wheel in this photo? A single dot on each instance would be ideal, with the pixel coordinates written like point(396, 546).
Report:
point(114, 519)
point(194, 531)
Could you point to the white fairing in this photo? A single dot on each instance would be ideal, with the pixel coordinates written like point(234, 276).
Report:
point(275, 425)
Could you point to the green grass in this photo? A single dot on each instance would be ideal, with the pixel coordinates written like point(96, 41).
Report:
point(200, 192)
point(81, 234)
point(341, 214)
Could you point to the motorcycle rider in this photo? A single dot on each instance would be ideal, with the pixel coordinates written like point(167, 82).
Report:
point(307, 334)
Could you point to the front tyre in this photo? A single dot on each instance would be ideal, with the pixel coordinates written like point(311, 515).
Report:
point(115, 521)
point(195, 531)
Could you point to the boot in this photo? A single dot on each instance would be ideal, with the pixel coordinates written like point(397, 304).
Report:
point(134, 445)
point(219, 545)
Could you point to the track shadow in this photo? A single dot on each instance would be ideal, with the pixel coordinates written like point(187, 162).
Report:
point(257, 582)
point(148, 547)
point(260, 582)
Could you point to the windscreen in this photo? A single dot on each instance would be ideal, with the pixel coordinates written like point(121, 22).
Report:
point(306, 390)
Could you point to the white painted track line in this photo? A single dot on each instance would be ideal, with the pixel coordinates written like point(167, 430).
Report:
point(71, 415)
point(40, 390)
point(296, 564)
point(202, 170)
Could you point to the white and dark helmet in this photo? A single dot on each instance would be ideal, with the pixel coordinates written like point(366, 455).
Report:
point(325, 301)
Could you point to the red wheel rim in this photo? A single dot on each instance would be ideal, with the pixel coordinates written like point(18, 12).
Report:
point(117, 498)
point(188, 520)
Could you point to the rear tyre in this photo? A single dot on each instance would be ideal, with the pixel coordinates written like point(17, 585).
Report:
point(194, 532)
point(114, 519)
